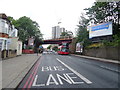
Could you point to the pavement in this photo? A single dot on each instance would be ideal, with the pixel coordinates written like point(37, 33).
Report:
point(15, 69)
point(99, 59)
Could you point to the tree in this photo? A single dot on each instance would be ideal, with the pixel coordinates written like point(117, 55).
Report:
point(27, 29)
point(102, 12)
point(82, 33)
point(49, 47)
point(67, 34)
point(13, 21)
point(55, 48)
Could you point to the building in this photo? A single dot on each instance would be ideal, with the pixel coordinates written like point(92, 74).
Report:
point(56, 32)
point(10, 46)
point(62, 29)
point(5, 29)
point(15, 45)
point(53, 32)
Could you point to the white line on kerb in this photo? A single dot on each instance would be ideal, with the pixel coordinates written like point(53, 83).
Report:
point(78, 74)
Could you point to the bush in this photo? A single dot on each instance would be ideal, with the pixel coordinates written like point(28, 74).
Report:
point(55, 48)
point(95, 45)
point(115, 42)
point(29, 47)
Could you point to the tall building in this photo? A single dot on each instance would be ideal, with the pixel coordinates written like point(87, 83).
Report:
point(53, 32)
point(62, 29)
point(56, 32)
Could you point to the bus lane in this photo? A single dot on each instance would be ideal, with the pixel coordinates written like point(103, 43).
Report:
point(53, 73)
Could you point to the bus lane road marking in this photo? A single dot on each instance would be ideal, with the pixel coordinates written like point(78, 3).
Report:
point(55, 79)
point(52, 68)
point(78, 74)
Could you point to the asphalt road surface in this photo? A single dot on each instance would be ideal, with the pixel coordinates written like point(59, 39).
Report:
point(66, 71)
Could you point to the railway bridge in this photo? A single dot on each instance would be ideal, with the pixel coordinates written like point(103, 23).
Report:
point(57, 41)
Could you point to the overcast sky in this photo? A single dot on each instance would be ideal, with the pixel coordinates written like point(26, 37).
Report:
point(47, 12)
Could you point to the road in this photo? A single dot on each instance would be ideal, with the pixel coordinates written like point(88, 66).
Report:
point(66, 71)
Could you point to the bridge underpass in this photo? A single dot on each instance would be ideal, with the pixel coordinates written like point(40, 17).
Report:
point(71, 41)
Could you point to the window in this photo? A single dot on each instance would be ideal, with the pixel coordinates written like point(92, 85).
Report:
point(6, 28)
point(64, 50)
point(3, 26)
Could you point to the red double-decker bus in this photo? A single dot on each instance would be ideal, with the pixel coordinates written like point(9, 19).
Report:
point(63, 50)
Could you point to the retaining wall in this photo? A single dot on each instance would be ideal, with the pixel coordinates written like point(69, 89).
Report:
point(104, 52)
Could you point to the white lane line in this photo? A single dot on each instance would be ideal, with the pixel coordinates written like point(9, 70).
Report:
point(78, 74)
point(109, 68)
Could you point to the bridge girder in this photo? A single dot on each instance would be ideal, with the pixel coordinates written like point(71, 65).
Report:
point(56, 41)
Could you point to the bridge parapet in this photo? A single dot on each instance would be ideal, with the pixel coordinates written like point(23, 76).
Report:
point(57, 40)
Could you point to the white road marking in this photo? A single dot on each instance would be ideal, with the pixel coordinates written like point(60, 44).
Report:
point(70, 77)
point(53, 79)
point(109, 68)
point(52, 68)
point(56, 81)
point(35, 82)
point(65, 79)
point(78, 74)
